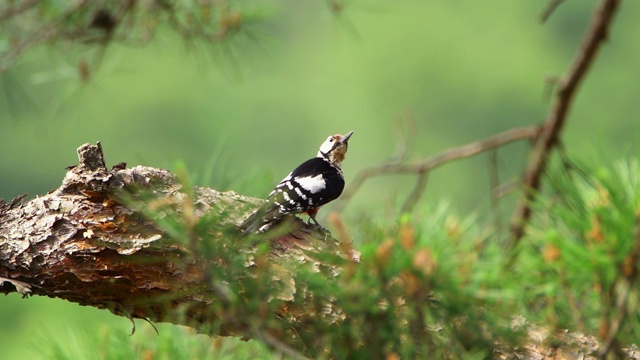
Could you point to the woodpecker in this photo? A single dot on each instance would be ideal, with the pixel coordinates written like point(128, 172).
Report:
point(314, 183)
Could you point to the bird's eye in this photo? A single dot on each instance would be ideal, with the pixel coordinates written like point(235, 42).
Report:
point(331, 139)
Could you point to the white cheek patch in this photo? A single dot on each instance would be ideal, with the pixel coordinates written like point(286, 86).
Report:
point(326, 146)
point(313, 184)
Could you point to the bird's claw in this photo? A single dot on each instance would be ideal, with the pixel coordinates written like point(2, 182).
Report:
point(317, 227)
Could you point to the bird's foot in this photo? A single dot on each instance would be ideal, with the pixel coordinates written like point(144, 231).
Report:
point(317, 227)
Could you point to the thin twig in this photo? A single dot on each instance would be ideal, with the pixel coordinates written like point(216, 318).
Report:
point(553, 5)
point(506, 188)
point(405, 130)
point(556, 119)
point(416, 193)
point(616, 324)
point(494, 182)
point(471, 149)
point(13, 10)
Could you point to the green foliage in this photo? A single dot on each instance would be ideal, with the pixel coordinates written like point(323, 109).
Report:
point(100, 23)
point(155, 105)
point(582, 256)
point(418, 290)
point(441, 286)
point(426, 287)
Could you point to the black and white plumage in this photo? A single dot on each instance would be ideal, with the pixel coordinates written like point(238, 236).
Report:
point(314, 183)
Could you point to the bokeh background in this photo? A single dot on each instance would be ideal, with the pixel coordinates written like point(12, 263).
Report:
point(240, 115)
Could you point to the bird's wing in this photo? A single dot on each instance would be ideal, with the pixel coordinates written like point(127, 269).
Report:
point(311, 185)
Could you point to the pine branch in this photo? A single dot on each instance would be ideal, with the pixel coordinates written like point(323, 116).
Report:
point(83, 243)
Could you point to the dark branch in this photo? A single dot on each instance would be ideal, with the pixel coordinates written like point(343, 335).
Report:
point(556, 119)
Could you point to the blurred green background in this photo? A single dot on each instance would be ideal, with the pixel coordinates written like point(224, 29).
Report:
point(242, 114)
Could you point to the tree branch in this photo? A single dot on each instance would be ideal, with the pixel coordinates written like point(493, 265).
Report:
point(552, 127)
point(422, 168)
point(108, 239)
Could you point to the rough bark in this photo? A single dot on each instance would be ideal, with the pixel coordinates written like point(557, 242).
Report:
point(82, 243)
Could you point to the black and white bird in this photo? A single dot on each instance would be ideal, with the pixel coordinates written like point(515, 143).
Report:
point(314, 183)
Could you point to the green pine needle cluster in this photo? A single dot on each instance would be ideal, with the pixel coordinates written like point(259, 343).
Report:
point(580, 260)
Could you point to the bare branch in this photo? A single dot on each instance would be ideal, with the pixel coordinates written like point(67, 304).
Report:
point(556, 119)
point(471, 149)
point(416, 193)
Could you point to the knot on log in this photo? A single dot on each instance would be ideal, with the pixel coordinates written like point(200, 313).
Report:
point(91, 175)
point(90, 157)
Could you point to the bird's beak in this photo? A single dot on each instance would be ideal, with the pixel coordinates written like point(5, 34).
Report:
point(345, 138)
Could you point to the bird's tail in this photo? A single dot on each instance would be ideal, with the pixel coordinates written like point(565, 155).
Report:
point(261, 220)
point(252, 223)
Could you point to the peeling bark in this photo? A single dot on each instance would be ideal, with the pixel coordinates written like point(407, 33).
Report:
point(81, 243)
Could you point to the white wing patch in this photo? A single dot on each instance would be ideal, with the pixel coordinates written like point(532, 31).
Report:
point(313, 184)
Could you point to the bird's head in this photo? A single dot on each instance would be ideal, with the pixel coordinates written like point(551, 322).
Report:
point(334, 148)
